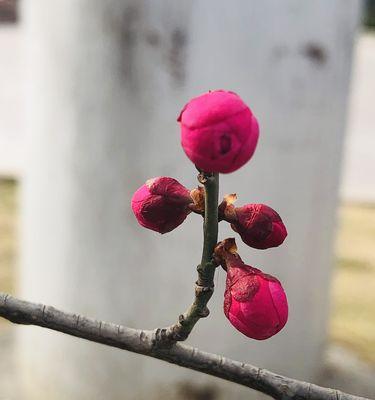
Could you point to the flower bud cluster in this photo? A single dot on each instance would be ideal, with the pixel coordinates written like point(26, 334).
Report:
point(219, 133)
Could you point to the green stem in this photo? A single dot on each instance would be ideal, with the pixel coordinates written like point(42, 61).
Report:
point(206, 269)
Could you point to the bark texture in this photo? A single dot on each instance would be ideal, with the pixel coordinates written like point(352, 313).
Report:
point(143, 342)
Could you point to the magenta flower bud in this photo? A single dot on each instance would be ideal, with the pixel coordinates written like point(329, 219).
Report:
point(161, 204)
point(219, 133)
point(254, 302)
point(259, 226)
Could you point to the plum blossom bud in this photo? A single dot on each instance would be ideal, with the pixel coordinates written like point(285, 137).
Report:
point(219, 133)
point(258, 225)
point(254, 302)
point(161, 204)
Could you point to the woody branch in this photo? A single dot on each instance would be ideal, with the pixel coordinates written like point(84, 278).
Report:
point(143, 342)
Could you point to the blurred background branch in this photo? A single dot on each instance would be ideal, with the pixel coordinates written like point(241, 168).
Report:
point(8, 11)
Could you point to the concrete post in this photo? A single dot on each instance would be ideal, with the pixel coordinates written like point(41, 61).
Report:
point(108, 79)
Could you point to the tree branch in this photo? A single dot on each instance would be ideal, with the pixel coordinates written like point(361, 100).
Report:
point(206, 269)
point(143, 342)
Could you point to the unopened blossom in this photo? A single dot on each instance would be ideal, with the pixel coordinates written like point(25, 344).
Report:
point(161, 204)
point(254, 302)
point(219, 133)
point(258, 225)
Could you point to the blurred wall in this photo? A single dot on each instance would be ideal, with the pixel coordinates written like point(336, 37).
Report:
point(359, 161)
point(107, 82)
point(12, 94)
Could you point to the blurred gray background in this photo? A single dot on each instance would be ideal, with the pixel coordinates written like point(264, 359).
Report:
point(90, 92)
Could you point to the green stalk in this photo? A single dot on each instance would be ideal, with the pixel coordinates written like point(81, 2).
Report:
point(206, 269)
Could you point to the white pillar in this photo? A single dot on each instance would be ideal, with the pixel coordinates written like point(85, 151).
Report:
point(108, 79)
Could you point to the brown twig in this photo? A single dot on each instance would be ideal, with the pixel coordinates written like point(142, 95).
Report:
point(143, 342)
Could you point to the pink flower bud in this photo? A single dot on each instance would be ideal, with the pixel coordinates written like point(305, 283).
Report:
point(219, 133)
point(161, 204)
point(254, 302)
point(259, 226)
